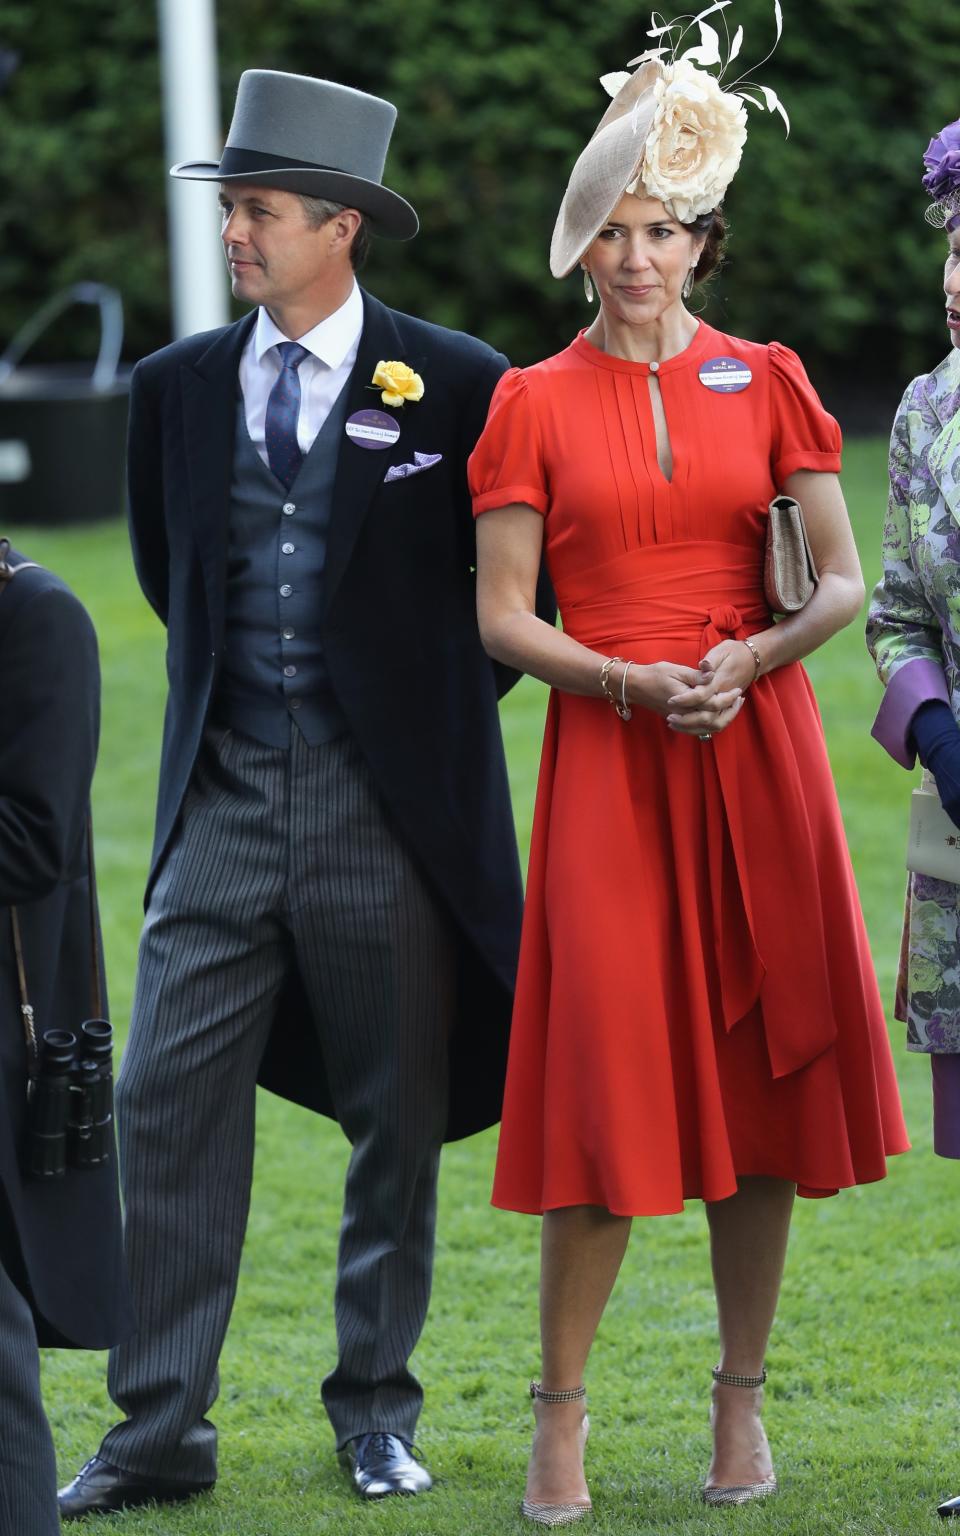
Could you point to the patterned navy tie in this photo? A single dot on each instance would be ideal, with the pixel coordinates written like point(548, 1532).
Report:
point(283, 410)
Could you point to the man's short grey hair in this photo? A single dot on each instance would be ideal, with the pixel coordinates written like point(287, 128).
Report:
point(319, 210)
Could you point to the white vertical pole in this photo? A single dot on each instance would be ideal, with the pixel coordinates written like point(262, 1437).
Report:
point(191, 109)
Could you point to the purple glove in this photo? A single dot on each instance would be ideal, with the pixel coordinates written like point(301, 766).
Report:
point(936, 737)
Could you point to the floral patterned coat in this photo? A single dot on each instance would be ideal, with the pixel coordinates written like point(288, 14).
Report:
point(913, 632)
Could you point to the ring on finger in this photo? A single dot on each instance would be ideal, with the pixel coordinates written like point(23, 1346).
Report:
point(707, 736)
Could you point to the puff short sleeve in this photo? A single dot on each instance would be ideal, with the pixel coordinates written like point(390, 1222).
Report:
point(804, 435)
point(507, 464)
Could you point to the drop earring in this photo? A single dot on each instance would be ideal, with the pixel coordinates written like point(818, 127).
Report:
point(687, 288)
point(587, 285)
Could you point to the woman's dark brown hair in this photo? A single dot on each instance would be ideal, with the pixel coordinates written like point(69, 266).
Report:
point(714, 226)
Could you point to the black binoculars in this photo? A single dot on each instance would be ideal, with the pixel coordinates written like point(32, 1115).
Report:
point(70, 1116)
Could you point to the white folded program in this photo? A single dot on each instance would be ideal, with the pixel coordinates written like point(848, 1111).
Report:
point(933, 844)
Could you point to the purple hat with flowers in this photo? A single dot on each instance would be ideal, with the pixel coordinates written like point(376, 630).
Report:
point(942, 181)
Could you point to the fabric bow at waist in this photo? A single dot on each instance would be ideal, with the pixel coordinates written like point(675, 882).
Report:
point(760, 849)
point(663, 593)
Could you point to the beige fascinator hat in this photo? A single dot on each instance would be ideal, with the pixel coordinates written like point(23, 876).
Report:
point(672, 131)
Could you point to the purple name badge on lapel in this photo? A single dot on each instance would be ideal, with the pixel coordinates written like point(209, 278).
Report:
point(725, 375)
point(372, 429)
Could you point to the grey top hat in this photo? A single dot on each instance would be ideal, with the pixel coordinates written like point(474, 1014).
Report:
point(311, 136)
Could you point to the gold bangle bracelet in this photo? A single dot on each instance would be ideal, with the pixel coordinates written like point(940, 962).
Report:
point(754, 653)
point(623, 708)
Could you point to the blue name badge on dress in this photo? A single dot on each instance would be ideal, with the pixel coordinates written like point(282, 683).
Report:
point(725, 375)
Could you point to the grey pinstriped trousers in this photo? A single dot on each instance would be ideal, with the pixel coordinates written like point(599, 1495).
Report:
point(28, 1470)
point(283, 857)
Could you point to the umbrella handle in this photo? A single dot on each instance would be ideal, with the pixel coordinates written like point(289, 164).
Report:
point(111, 330)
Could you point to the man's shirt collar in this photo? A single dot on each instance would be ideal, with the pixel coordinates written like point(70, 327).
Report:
point(330, 341)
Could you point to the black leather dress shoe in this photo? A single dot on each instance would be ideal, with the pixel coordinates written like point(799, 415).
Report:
point(949, 1509)
point(99, 1488)
point(384, 1464)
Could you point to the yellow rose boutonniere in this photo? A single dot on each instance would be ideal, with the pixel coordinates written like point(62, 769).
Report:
point(398, 383)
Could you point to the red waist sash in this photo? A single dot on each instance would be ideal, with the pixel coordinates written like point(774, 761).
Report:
point(770, 944)
point(665, 592)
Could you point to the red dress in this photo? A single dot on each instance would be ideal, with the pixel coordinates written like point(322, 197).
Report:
point(696, 998)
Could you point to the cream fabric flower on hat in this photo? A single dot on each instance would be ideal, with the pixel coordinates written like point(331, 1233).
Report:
point(695, 142)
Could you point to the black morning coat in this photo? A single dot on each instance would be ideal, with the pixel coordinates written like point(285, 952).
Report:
point(60, 1240)
point(400, 640)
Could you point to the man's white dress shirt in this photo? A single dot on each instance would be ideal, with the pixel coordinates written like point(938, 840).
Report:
point(332, 346)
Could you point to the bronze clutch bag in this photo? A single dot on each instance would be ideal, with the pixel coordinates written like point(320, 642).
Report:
point(789, 572)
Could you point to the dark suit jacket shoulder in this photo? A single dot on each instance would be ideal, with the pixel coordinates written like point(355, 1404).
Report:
point(468, 358)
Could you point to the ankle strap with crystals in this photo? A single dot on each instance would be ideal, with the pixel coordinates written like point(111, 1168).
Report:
point(569, 1395)
point(734, 1379)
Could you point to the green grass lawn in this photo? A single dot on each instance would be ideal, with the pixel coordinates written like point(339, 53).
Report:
point(862, 1405)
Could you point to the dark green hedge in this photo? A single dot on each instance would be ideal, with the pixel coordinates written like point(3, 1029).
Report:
point(829, 249)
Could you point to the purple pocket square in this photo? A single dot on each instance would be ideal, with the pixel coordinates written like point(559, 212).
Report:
point(421, 461)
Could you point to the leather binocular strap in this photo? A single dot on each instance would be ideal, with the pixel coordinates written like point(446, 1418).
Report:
point(26, 1010)
point(7, 573)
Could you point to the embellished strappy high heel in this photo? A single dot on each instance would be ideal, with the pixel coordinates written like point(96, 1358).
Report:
point(557, 1514)
point(739, 1493)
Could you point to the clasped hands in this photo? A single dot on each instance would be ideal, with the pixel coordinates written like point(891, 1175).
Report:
point(696, 701)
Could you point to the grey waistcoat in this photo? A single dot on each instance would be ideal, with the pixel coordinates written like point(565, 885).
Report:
point(273, 671)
